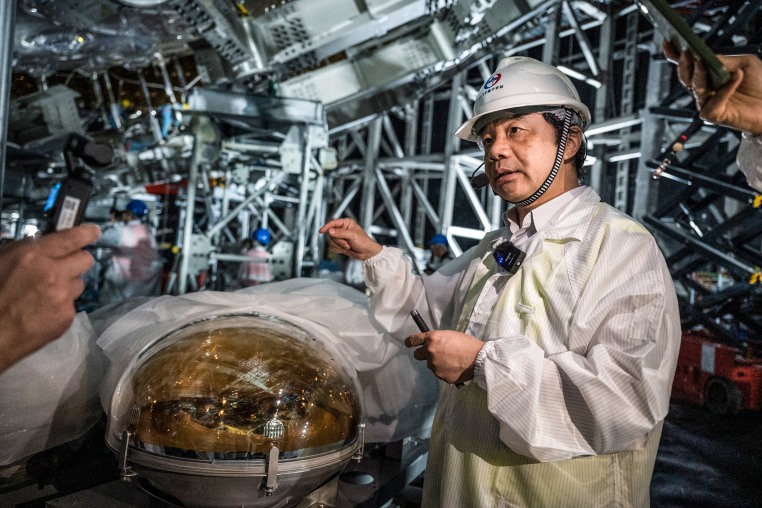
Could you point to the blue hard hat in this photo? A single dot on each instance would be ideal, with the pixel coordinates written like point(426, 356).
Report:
point(262, 236)
point(439, 239)
point(137, 208)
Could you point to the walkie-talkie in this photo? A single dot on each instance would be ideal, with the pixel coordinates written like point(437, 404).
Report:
point(68, 199)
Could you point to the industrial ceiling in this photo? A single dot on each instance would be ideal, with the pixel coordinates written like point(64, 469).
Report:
point(287, 113)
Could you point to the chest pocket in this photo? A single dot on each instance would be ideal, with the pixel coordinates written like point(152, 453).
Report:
point(524, 311)
point(545, 301)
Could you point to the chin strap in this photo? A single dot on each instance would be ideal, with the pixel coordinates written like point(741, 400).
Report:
point(556, 165)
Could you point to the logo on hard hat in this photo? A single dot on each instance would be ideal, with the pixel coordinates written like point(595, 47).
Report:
point(492, 81)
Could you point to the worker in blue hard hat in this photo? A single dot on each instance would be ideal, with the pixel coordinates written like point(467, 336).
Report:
point(260, 269)
point(135, 266)
point(262, 236)
point(137, 208)
point(440, 253)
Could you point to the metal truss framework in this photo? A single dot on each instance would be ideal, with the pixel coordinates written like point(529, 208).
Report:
point(404, 176)
point(411, 170)
point(705, 217)
point(709, 218)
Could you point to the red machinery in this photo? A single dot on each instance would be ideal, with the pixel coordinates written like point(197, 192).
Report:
point(720, 376)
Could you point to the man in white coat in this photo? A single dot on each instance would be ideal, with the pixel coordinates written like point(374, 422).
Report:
point(556, 336)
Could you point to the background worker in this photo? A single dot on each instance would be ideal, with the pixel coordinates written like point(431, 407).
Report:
point(135, 267)
point(440, 253)
point(260, 270)
point(737, 105)
point(567, 354)
point(42, 277)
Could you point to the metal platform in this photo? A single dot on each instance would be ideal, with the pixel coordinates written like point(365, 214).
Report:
point(87, 474)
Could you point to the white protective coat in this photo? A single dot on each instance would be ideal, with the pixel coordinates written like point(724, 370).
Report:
point(573, 383)
point(57, 394)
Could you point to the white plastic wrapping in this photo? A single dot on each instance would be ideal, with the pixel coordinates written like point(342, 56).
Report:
point(51, 396)
point(399, 392)
point(57, 394)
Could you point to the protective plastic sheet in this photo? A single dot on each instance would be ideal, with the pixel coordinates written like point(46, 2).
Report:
point(399, 392)
point(51, 397)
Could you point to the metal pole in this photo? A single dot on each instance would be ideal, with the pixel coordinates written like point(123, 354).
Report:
point(651, 133)
point(7, 18)
point(100, 99)
point(317, 214)
point(403, 235)
point(602, 96)
point(584, 44)
point(367, 203)
point(627, 98)
point(551, 48)
point(406, 194)
point(159, 59)
point(452, 145)
point(304, 189)
point(113, 105)
point(197, 125)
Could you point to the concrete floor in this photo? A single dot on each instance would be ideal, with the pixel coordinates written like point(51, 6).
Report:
point(708, 461)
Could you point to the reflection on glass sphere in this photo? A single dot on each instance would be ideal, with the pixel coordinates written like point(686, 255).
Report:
point(232, 387)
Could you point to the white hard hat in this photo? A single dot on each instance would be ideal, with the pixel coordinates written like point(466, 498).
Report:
point(523, 84)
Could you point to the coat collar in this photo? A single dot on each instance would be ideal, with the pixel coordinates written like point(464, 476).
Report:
point(572, 225)
point(576, 219)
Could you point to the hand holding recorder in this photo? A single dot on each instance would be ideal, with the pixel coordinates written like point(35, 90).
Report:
point(42, 276)
point(727, 89)
point(737, 104)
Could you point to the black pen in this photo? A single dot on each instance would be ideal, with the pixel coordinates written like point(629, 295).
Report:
point(424, 328)
point(419, 321)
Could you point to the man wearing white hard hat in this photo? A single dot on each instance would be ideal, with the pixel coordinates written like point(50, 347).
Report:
point(556, 336)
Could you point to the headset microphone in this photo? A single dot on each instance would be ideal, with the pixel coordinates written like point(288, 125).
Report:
point(481, 180)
